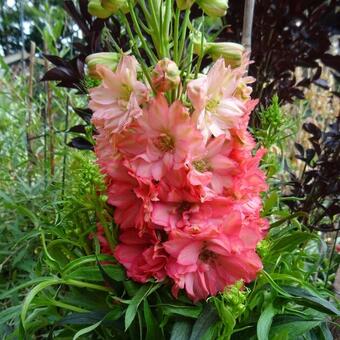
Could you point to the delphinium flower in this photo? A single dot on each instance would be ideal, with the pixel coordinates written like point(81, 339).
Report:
point(181, 174)
point(116, 102)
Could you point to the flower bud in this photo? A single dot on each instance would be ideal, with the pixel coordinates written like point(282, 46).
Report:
point(230, 52)
point(109, 59)
point(165, 76)
point(214, 8)
point(200, 47)
point(113, 5)
point(184, 4)
point(96, 9)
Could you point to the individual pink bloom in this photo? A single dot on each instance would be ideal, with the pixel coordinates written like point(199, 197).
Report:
point(116, 102)
point(176, 187)
point(216, 109)
point(171, 137)
point(193, 216)
point(131, 196)
point(206, 263)
point(143, 256)
point(243, 91)
point(250, 179)
point(212, 167)
point(165, 76)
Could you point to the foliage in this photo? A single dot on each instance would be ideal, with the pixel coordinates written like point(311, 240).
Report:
point(317, 188)
point(286, 35)
point(56, 284)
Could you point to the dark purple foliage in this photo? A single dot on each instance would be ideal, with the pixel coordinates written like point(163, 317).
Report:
point(319, 185)
point(286, 34)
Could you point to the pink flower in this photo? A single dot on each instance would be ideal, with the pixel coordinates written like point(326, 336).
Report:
point(250, 180)
point(190, 215)
point(216, 109)
point(165, 76)
point(116, 102)
point(206, 263)
point(142, 256)
point(131, 196)
point(211, 166)
point(171, 137)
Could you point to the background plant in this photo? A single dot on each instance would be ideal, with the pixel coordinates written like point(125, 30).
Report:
point(55, 283)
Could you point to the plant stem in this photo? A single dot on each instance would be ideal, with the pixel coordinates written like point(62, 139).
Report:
point(183, 35)
point(331, 257)
point(166, 30)
point(176, 28)
point(135, 48)
point(151, 55)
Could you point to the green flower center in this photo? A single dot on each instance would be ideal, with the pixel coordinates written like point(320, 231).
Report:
point(165, 142)
point(201, 165)
point(212, 104)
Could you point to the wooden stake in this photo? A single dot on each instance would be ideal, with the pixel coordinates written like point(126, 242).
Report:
point(49, 117)
point(29, 136)
point(248, 24)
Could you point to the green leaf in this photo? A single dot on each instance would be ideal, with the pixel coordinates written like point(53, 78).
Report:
point(264, 322)
point(181, 330)
point(206, 320)
point(87, 330)
point(325, 332)
point(141, 294)
point(288, 218)
point(188, 311)
point(275, 285)
point(10, 292)
point(94, 274)
point(82, 318)
point(270, 202)
point(86, 259)
point(292, 325)
point(307, 298)
point(30, 296)
point(152, 328)
point(9, 313)
point(291, 242)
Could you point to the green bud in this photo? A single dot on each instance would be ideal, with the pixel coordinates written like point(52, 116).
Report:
point(96, 9)
point(184, 4)
point(214, 8)
point(108, 59)
point(230, 52)
point(113, 5)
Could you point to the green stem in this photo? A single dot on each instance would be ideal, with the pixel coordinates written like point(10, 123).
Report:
point(154, 18)
point(200, 57)
point(151, 55)
point(331, 257)
point(161, 28)
point(176, 28)
point(188, 70)
point(82, 284)
point(136, 50)
point(183, 35)
point(167, 22)
point(67, 306)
